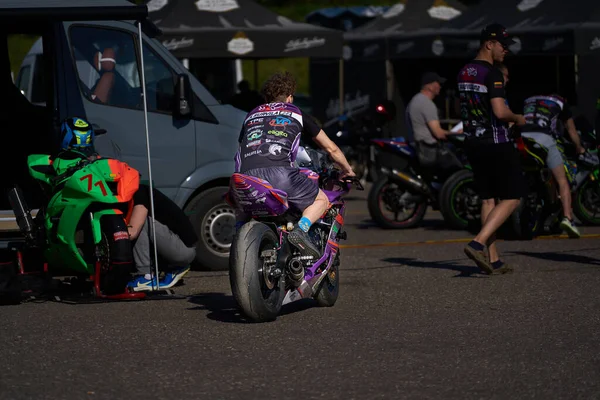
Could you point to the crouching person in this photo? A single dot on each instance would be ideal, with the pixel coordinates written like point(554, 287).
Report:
point(175, 240)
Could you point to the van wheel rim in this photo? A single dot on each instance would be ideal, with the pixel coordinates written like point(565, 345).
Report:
point(218, 228)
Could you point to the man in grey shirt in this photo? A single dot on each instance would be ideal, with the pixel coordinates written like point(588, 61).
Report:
point(424, 124)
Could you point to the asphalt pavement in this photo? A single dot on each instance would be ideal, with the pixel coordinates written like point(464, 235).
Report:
point(415, 320)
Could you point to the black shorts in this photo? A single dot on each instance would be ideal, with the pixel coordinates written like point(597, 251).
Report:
point(301, 190)
point(497, 170)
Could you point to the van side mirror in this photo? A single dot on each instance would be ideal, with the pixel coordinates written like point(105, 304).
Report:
point(97, 130)
point(183, 93)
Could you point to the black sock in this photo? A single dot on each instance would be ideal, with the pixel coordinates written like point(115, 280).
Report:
point(497, 264)
point(476, 245)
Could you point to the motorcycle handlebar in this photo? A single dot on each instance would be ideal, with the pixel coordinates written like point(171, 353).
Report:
point(514, 132)
point(335, 176)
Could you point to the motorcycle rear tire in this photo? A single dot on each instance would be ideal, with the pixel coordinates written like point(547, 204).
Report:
point(247, 283)
point(381, 220)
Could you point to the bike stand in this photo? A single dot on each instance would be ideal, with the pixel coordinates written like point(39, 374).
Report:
point(164, 294)
point(88, 298)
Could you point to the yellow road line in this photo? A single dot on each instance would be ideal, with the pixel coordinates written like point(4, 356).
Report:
point(446, 241)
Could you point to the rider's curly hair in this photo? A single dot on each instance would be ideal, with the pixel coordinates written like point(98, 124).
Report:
point(278, 87)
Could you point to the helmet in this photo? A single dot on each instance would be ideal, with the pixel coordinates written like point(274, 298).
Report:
point(77, 134)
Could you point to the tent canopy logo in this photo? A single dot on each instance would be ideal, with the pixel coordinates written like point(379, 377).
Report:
point(155, 5)
point(178, 43)
point(516, 46)
point(526, 5)
point(394, 10)
point(441, 10)
point(437, 47)
point(240, 44)
point(304, 43)
point(217, 5)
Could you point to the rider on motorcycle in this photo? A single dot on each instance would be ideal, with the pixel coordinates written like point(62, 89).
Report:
point(543, 114)
point(269, 142)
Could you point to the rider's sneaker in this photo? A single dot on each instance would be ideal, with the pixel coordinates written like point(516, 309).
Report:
point(142, 283)
point(172, 277)
point(303, 242)
point(568, 226)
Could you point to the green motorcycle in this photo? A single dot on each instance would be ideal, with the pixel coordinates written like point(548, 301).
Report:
point(82, 227)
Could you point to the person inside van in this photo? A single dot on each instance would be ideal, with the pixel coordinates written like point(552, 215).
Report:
point(175, 235)
point(105, 63)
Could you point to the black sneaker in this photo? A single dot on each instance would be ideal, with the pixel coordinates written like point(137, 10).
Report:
point(303, 242)
point(480, 259)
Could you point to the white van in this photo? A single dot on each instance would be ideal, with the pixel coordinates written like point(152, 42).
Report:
point(192, 155)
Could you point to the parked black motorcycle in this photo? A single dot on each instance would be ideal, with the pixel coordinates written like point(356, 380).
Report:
point(406, 188)
point(541, 211)
point(353, 132)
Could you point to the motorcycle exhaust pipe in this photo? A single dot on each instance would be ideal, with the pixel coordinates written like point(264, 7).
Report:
point(412, 183)
point(22, 212)
point(296, 271)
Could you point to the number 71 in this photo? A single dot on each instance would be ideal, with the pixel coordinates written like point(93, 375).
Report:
point(99, 183)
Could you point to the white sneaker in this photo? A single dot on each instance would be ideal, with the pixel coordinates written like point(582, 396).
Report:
point(569, 226)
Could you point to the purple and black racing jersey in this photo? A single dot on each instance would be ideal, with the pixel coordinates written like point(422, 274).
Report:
point(542, 114)
point(271, 135)
point(478, 83)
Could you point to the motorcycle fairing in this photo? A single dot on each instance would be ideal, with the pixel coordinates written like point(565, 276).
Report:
point(255, 196)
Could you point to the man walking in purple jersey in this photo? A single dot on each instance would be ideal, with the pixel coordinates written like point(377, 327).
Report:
point(493, 157)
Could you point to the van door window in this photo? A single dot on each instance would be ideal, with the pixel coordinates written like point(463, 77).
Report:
point(106, 66)
point(160, 83)
point(160, 88)
point(38, 84)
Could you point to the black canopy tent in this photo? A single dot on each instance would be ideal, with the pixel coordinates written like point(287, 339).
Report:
point(238, 29)
point(554, 43)
point(69, 10)
point(368, 74)
point(410, 15)
point(209, 35)
point(345, 18)
point(402, 18)
point(540, 28)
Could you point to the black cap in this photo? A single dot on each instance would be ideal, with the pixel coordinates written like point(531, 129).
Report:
point(429, 77)
point(496, 32)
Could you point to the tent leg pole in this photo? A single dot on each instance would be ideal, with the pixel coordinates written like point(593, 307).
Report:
point(239, 73)
point(143, 83)
point(341, 84)
point(389, 78)
point(576, 70)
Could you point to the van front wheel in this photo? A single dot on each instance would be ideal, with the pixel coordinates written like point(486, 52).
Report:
point(214, 222)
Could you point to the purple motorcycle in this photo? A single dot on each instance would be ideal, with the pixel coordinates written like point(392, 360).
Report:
point(265, 270)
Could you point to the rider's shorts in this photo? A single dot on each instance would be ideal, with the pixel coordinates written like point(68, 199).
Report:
point(554, 158)
point(497, 170)
point(301, 190)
